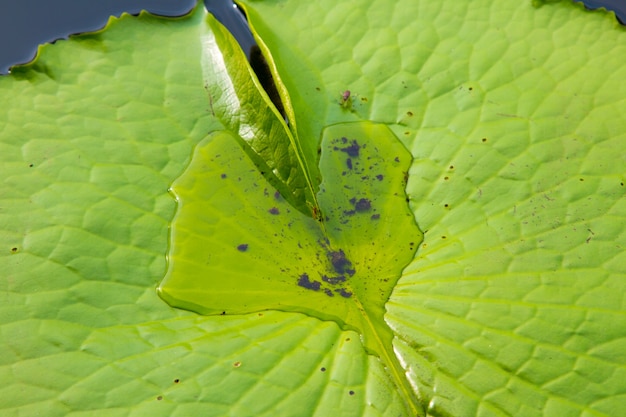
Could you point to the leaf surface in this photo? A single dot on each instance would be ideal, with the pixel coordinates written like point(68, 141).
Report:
point(513, 305)
point(99, 127)
point(238, 247)
point(515, 137)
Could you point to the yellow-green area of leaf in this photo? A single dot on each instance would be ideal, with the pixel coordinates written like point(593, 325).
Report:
point(237, 246)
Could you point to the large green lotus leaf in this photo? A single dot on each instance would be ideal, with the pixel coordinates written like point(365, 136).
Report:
point(515, 302)
point(518, 310)
point(92, 136)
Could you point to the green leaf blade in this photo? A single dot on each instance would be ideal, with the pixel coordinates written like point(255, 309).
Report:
point(239, 101)
point(238, 247)
point(511, 127)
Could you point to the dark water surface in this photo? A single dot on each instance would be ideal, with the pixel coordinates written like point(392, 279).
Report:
point(25, 24)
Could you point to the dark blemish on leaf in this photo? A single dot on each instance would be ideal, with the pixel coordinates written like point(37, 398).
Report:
point(443, 237)
point(344, 293)
point(351, 392)
point(409, 113)
point(305, 282)
point(397, 159)
point(484, 140)
point(159, 398)
point(445, 178)
point(317, 88)
point(352, 150)
point(363, 205)
point(349, 163)
point(223, 313)
point(363, 98)
point(223, 176)
point(581, 179)
point(341, 264)
point(31, 165)
point(277, 195)
point(243, 247)
point(328, 292)
point(451, 166)
point(14, 250)
point(379, 177)
point(446, 205)
point(347, 339)
point(323, 369)
point(274, 211)
point(237, 364)
point(345, 96)
point(349, 212)
point(375, 216)
point(176, 381)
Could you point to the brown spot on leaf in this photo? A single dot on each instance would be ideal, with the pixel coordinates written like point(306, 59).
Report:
point(363, 205)
point(305, 282)
point(344, 293)
point(353, 149)
point(341, 264)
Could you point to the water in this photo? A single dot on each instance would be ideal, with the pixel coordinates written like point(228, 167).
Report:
point(26, 24)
